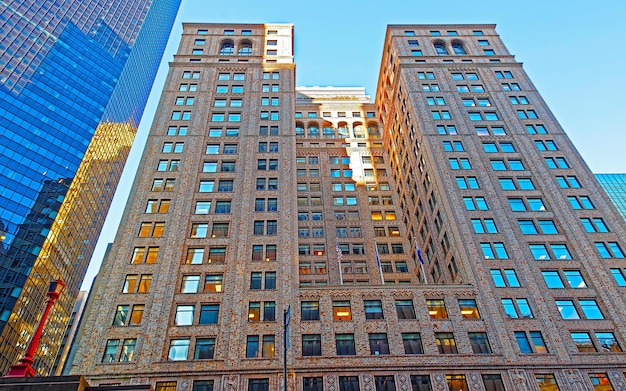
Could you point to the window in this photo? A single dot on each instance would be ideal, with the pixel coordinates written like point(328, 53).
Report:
point(311, 345)
point(568, 182)
point(480, 343)
point(310, 310)
point(442, 114)
point(258, 385)
point(110, 350)
point(504, 278)
point(516, 183)
point(600, 381)
point(609, 250)
point(440, 49)
point(504, 75)
point(534, 344)
point(194, 256)
point(209, 313)
point(190, 284)
point(467, 182)
point(437, 309)
point(404, 309)
point(459, 163)
point(184, 315)
point(546, 382)
point(469, 309)
point(199, 230)
point(179, 349)
point(373, 309)
point(453, 146)
point(458, 48)
point(494, 250)
point(342, 310)
point(567, 309)
point(511, 87)
point(475, 203)
point(446, 343)
point(607, 341)
point(526, 114)
point(516, 308)
point(349, 383)
point(205, 349)
point(222, 207)
point(206, 186)
point(378, 344)
point(213, 282)
point(620, 276)
point(345, 344)
point(312, 384)
point(482, 226)
point(556, 162)
point(421, 383)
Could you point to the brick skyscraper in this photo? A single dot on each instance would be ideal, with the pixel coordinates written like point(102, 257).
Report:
point(255, 196)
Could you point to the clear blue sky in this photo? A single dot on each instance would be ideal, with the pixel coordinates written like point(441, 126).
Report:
point(572, 50)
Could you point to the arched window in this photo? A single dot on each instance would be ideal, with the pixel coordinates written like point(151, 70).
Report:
point(299, 129)
point(314, 130)
point(327, 130)
point(342, 129)
point(440, 48)
point(458, 48)
point(245, 49)
point(359, 130)
point(372, 130)
point(227, 48)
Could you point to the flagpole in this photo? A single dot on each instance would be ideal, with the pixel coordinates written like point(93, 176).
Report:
point(418, 253)
point(339, 257)
point(380, 268)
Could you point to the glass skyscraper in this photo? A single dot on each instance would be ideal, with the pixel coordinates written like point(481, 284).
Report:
point(74, 80)
point(615, 187)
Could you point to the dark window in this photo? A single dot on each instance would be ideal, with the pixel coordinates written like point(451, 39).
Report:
point(345, 344)
point(412, 343)
point(312, 384)
point(480, 343)
point(378, 344)
point(311, 345)
point(493, 382)
point(310, 310)
point(385, 383)
point(349, 383)
point(421, 383)
point(404, 309)
point(373, 309)
point(258, 385)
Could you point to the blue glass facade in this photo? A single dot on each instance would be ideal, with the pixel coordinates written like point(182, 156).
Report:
point(615, 187)
point(66, 68)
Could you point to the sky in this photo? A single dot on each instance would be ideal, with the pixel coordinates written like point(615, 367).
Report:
point(572, 51)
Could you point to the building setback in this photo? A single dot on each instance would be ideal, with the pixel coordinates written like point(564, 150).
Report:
point(74, 79)
point(256, 197)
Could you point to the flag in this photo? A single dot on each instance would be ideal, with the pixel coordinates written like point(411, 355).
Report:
point(380, 268)
point(419, 255)
point(339, 258)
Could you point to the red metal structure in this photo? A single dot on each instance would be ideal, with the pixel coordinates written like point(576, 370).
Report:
point(24, 368)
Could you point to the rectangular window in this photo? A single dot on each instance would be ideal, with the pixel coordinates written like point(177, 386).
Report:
point(446, 343)
point(373, 309)
point(378, 344)
point(310, 310)
point(412, 343)
point(480, 343)
point(405, 309)
point(345, 344)
point(311, 345)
